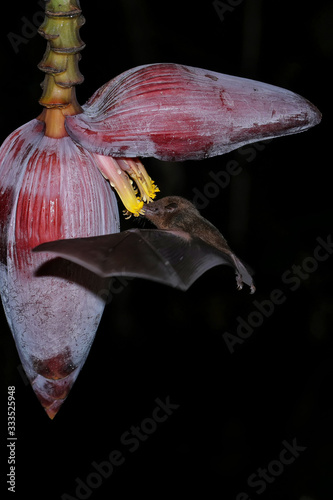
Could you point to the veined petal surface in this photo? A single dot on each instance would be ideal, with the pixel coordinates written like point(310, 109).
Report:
point(175, 112)
point(50, 189)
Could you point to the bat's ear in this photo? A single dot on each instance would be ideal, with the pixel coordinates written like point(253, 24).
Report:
point(171, 207)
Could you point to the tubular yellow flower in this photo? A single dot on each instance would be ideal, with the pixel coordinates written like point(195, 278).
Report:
point(121, 173)
point(138, 173)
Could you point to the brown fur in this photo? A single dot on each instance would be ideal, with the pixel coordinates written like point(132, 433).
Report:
point(177, 213)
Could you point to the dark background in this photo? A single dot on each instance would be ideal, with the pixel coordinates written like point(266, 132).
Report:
point(235, 409)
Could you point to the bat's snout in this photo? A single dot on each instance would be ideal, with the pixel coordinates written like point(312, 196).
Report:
point(151, 208)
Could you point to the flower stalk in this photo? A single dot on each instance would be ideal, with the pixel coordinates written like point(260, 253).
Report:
point(63, 20)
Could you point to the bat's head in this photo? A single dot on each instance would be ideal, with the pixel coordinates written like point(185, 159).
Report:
point(170, 212)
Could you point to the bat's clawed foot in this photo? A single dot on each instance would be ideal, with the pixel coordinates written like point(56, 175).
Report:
point(240, 284)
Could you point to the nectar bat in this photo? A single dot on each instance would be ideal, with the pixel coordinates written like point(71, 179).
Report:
point(177, 253)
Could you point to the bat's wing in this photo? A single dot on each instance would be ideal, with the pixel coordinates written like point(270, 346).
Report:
point(169, 257)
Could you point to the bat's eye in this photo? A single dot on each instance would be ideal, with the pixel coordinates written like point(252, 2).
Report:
point(171, 207)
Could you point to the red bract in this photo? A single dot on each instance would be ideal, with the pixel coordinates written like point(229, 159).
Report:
point(175, 112)
point(50, 189)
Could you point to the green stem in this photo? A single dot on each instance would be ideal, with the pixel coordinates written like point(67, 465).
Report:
point(60, 28)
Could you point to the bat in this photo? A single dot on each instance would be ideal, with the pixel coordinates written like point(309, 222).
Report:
point(182, 248)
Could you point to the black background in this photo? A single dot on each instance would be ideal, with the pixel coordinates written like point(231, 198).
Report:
point(235, 409)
